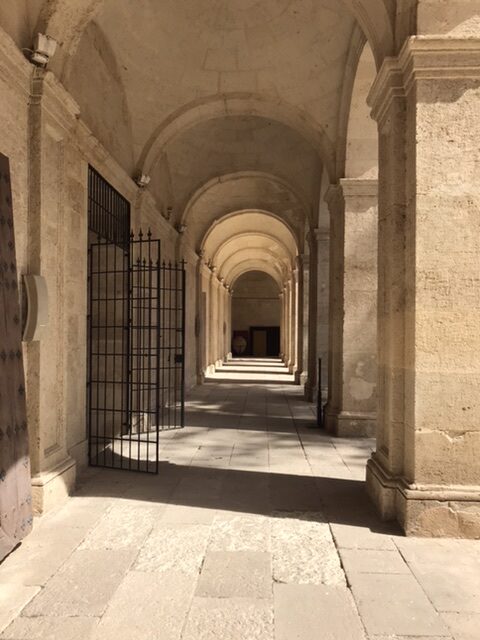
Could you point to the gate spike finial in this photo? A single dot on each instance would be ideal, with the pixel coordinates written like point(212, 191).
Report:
point(140, 233)
point(149, 233)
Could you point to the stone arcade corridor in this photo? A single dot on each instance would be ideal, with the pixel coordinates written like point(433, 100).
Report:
point(190, 187)
point(257, 528)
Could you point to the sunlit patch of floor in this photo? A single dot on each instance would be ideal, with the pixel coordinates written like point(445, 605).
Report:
point(252, 370)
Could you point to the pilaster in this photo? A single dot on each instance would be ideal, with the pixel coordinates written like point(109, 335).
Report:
point(426, 468)
point(56, 362)
point(352, 404)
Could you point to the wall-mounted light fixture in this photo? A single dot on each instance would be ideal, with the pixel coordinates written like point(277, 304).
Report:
point(142, 180)
point(44, 48)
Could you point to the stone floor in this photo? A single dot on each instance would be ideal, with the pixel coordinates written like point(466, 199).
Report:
point(256, 528)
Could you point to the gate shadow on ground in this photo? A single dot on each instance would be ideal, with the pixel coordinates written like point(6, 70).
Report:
point(336, 500)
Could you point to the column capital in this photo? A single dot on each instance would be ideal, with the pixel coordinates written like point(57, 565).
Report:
point(388, 87)
point(334, 197)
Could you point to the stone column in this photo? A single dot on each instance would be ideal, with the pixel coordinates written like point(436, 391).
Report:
point(426, 469)
point(312, 315)
point(213, 318)
point(301, 339)
point(352, 401)
point(228, 320)
point(282, 326)
point(290, 324)
point(221, 320)
point(293, 294)
point(323, 289)
point(200, 329)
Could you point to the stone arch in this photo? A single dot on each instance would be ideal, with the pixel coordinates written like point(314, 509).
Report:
point(292, 213)
point(236, 104)
point(238, 238)
point(274, 218)
point(256, 265)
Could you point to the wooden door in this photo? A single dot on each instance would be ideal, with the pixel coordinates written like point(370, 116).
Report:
point(15, 479)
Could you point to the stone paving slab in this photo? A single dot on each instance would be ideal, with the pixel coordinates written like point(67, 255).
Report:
point(13, 598)
point(464, 626)
point(174, 547)
point(236, 574)
point(84, 585)
point(350, 536)
point(230, 619)
point(412, 638)
point(240, 533)
point(314, 612)
point(50, 628)
point(372, 561)
point(124, 526)
point(303, 550)
point(41, 555)
point(395, 604)
point(147, 606)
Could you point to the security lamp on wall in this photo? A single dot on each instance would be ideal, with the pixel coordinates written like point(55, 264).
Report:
point(44, 48)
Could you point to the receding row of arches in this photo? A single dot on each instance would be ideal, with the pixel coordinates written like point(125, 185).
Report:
point(240, 133)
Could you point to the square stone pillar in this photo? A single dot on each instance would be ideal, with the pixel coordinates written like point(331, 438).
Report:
point(311, 313)
point(213, 319)
point(282, 323)
point(426, 469)
point(322, 317)
point(301, 339)
point(219, 356)
point(352, 404)
point(288, 323)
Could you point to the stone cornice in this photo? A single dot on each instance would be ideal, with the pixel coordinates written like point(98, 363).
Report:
point(422, 58)
point(144, 201)
point(96, 154)
point(443, 58)
point(190, 255)
point(387, 87)
point(359, 188)
point(322, 235)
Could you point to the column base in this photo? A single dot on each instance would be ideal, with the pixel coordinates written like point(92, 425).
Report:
point(310, 393)
point(300, 377)
point(351, 425)
point(51, 488)
point(425, 510)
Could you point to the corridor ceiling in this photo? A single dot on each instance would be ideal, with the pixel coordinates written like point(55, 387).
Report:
point(228, 105)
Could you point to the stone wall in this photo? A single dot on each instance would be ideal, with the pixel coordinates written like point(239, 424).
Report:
point(255, 302)
point(49, 149)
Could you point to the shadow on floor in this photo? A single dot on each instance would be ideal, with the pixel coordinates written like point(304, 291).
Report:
point(337, 500)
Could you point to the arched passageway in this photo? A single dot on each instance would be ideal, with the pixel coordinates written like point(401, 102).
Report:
point(312, 167)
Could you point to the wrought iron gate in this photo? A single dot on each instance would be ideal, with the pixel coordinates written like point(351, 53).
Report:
point(136, 343)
